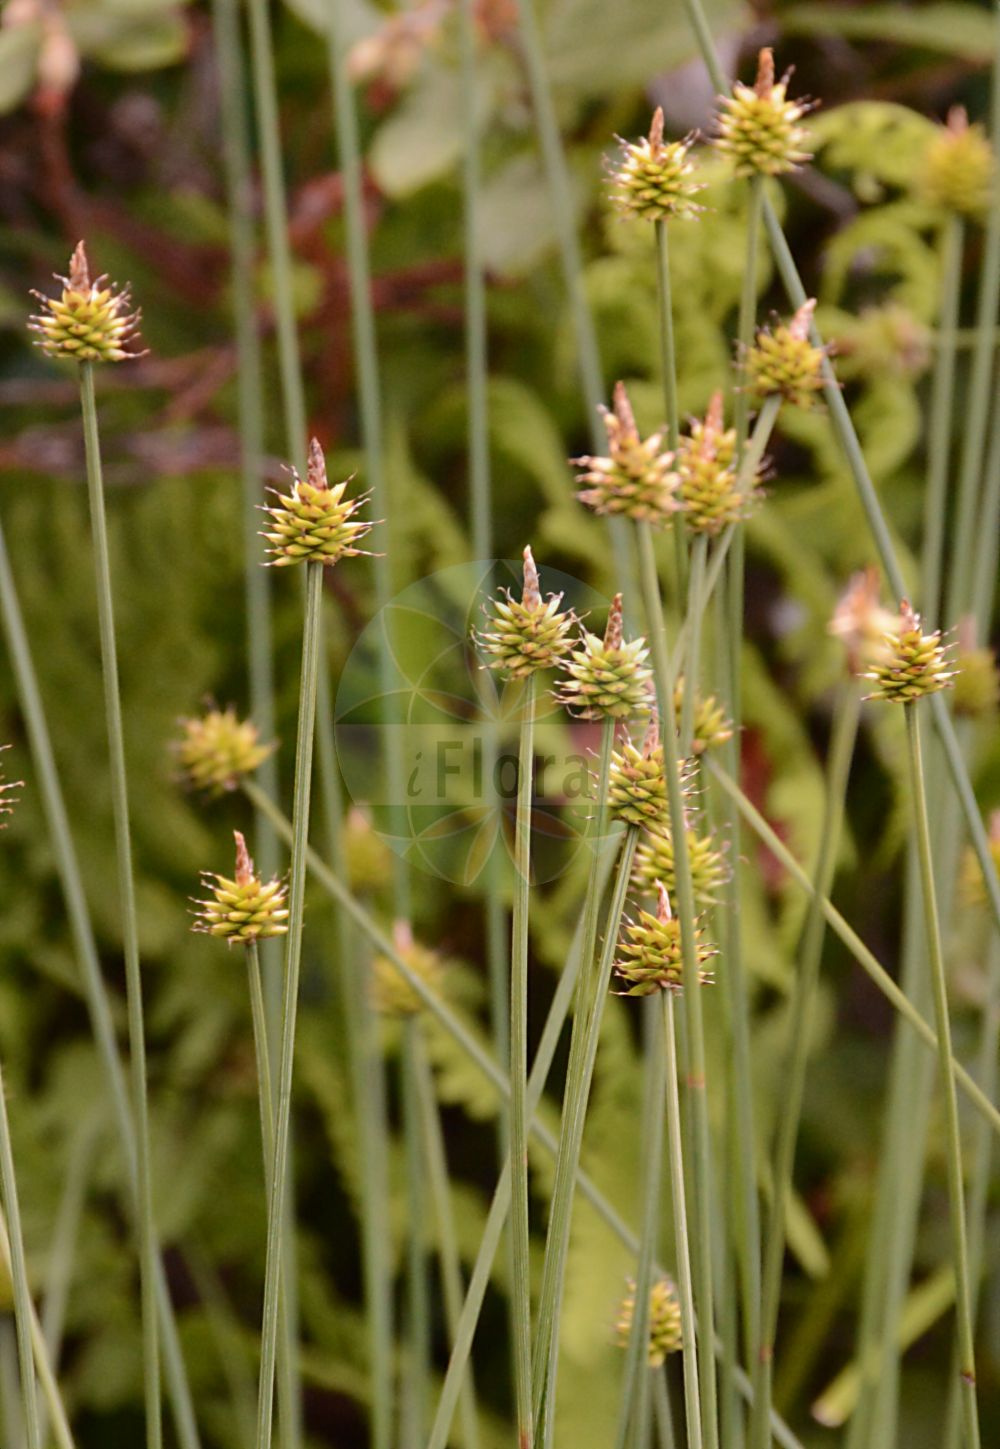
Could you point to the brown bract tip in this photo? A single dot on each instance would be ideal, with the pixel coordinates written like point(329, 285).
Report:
point(764, 84)
point(656, 130)
point(531, 596)
point(802, 321)
point(244, 865)
point(402, 936)
point(908, 618)
point(713, 420)
point(624, 413)
point(663, 911)
point(652, 739)
point(958, 120)
point(79, 269)
point(613, 633)
point(316, 474)
point(994, 826)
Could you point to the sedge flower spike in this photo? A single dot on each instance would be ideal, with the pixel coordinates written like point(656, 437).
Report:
point(392, 993)
point(636, 479)
point(977, 681)
point(314, 523)
point(652, 182)
point(959, 167)
point(244, 909)
point(609, 677)
point(654, 864)
point(911, 664)
point(758, 128)
point(649, 955)
point(526, 635)
point(711, 725)
point(972, 887)
point(217, 749)
point(637, 784)
point(861, 622)
point(665, 1335)
point(709, 491)
point(91, 321)
point(785, 362)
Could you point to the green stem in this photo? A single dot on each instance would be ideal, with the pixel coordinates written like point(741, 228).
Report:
point(685, 1285)
point(263, 1058)
point(95, 991)
point(865, 958)
point(695, 611)
point(293, 958)
point(413, 1418)
point(480, 489)
point(148, 1253)
point(440, 1191)
point(700, 1153)
point(42, 1358)
point(748, 310)
point(571, 1141)
point(665, 1438)
point(985, 567)
point(559, 1208)
point(23, 1307)
point(963, 1300)
point(668, 367)
point(520, 1228)
point(940, 420)
point(793, 1075)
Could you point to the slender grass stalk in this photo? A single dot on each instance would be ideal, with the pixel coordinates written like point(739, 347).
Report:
point(985, 566)
point(557, 1237)
point(665, 1438)
point(956, 1192)
point(23, 1307)
point(793, 1075)
point(293, 958)
point(230, 1345)
point(413, 1417)
point(685, 1286)
point(941, 411)
point(636, 1376)
point(95, 991)
point(520, 1227)
point(668, 366)
point(570, 1143)
point(700, 1150)
point(868, 962)
point(979, 1179)
point(496, 1078)
point(47, 1332)
point(53, 1400)
point(432, 1137)
point(262, 1055)
point(695, 611)
point(148, 1253)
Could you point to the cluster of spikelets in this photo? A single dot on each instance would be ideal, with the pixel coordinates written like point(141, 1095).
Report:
point(665, 1335)
point(393, 993)
point(650, 955)
point(636, 479)
point(245, 909)
point(528, 634)
point(710, 492)
point(653, 180)
point(784, 362)
point(910, 663)
point(759, 128)
point(217, 749)
point(972, 887)
point(977, 681)
point(609, 677)
point(7, 787)
point(90, 321)
point(958, 172)
point(315, 522)
point(710, 724)
point(637, 784)
point(655, 866)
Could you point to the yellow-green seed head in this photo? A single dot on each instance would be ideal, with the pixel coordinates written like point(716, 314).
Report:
point(758, 128)
point(977, 682)
point(912, 665)
point(883, 341)
point(392, 994)
point(7, 787)
point(245, 909)
point(653, 180)
point(972, 887)
point(607, 677)
point(649, 955)
point(527, 634)
point(89, 321)
point(861, 622)
point(636, 478)
point(665, 1335)
point(217, 749)
point(709, 493)
point(784, 361)
point(367, 857)
point(637, 786)
point(314, 523)
point(711, 726)
point(654, 863)
point(959, 166)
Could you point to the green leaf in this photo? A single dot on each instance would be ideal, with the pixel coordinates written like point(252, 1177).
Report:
point(18, 56)
point(965, 30)
point(424, 138)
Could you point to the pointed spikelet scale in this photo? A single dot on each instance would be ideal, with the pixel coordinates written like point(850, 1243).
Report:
point(7, 787)
point(609, 677)
point(912, 665)
point(654, 863)
point(758, 128)
point(314, 523)
point(959, 167)
point(711, 725)
point(637, 785)
point(217, 749)
point(653, 180)
point(649, 955)
point(783, 361)
point(392, 994)
point(90, 321)
point(245, 909)
point(710, 493)
point(636, 479)
point(527, 634)
point(665, 1335)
